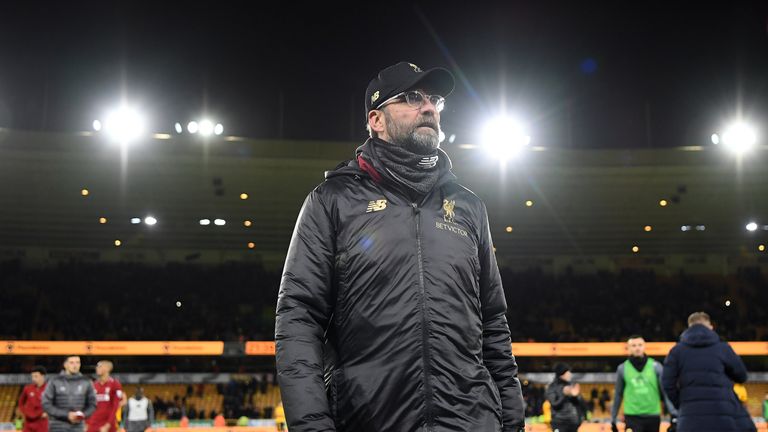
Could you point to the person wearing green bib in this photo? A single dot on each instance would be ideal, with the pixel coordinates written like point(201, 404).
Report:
point(765, 408)
point(638, 384)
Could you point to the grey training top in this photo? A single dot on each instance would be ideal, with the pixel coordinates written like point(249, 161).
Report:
point(67, 393)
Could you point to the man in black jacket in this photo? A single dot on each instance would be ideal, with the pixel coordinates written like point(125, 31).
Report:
point(391, 312)
point(568, 407)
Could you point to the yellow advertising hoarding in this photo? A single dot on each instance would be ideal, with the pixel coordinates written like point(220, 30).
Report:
point(114, 348)
point(568, 349)
point(267, 348)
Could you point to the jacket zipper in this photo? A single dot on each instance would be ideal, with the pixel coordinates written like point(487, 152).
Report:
point(424, 323)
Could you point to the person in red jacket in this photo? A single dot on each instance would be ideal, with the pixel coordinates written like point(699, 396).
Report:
point(109, 398)
point(30, 402)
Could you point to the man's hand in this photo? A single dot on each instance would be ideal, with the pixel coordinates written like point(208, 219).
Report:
point(73, 417)
point(571, 390)
point(575, 389)
point(104, 427)
point(45, 415)
point(614, 428)
point(672, 424)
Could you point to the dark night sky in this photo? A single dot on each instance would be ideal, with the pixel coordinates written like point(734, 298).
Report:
point(678, 70)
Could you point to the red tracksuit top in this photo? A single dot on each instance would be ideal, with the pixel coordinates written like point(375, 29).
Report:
point(30, 404)
point(108, 397)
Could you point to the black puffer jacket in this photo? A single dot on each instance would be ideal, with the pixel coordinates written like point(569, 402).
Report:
point(391, 314)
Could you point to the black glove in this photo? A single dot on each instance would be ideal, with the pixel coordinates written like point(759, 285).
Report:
point(614, 428)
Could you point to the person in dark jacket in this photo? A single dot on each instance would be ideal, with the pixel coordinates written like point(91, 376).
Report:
point(565, 398)
point(698, 378)
point(69, 398)
point(391, 311)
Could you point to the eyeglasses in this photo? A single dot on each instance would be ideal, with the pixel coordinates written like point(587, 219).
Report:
point(416, 100)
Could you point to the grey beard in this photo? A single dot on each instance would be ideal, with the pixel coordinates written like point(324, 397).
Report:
point(412, 140)
point(421, 143)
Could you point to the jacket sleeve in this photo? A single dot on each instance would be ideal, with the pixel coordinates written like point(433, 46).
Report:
point(734, 366)
point(659, 373)
point(90, 400)
point(669, 377)
point(115, 401)
point(497, 347)
point(618, 394)
point(49, 403)
point(23, 405)
point(554, 394)
point(304, 307)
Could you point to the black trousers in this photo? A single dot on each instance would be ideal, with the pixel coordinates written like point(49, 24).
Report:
point(564, 427)
point(643, 423)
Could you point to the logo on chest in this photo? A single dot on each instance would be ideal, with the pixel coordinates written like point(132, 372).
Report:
point(448, 213)
point(376, 205)
point(448, 223)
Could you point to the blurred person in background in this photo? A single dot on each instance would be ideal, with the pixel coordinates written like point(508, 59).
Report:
point(743, 419)
point(109, 399)
point(594, 396)
point(139, 413)
point(699, 373)
point(741, 393)
point(546, 413)
point(605, 397)
point(765, 408)
point(638, 385)
point(69, 398)
point(31, 402)
point(280, 417)
point(219, 420)
point(564, 396)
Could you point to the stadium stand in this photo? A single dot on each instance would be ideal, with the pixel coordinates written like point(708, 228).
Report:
point(236, 302)
point(9, 398)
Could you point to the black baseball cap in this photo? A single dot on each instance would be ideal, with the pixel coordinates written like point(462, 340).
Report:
point(406, 76)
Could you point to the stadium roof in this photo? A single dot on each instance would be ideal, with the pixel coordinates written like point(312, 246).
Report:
point(584, 203)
